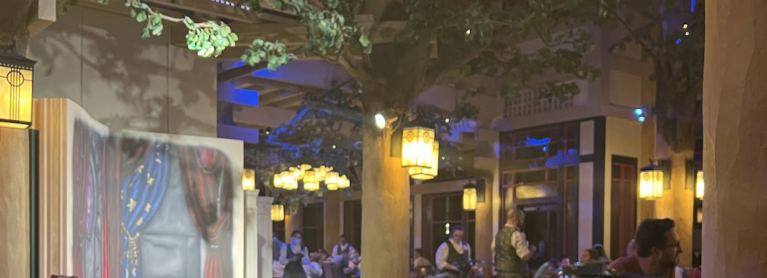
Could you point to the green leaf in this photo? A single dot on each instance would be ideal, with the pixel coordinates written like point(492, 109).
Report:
point(141, 16)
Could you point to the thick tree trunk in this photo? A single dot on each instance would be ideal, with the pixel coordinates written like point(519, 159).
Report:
point(683, 199)
point(735, 139)
point(385, 207)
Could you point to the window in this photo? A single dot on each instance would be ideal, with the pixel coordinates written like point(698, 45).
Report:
point(353, 223)
point(441, 213)
point(540, 143)
point(314, 226)
point(623, 203)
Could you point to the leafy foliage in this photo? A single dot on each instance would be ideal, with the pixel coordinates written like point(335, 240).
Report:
point(670, 35)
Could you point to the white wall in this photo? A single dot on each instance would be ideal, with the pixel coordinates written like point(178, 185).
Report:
point(99, 60)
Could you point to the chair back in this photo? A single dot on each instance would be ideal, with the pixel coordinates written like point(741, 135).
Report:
point(328, 270)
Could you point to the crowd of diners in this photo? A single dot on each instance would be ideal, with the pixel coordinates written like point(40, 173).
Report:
point(293, 259)
point(654, 252)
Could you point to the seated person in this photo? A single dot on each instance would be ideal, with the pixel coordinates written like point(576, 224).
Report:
point(313, 268)
point(590, 258)
point(324, 256)
point(548, 269)
point(353, 262)
point(602, 254)
point(277, 269)
point(419, 260)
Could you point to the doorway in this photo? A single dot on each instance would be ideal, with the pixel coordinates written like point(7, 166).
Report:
point(542, 230)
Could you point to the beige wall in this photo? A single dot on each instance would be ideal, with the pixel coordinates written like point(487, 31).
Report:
point(14, 215)
point(99, 61)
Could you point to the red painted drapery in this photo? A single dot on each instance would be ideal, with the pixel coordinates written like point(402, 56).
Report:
point(207, 178)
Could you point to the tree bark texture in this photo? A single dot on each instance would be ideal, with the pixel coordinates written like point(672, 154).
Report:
point(386, 207)
point(735, 139)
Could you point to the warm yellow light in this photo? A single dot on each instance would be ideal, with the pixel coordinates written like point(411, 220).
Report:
point(278, 183)
point(322, 172)
point(651, 184)
point(289, 181)
point(15, 90)
point(248, 180)
point(417, 147)
point(332, 181)
point(343, 182)
point(470, 198)
point(429, 173)
point(699, 185)
point(310, 181)
point(278, 212)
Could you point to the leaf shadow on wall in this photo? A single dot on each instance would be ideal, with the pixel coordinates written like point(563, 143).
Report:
point(126, 82)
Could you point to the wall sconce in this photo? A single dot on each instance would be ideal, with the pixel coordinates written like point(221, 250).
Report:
point(470, 197)
point(651, 182)
point(278, 212)
point(16, 74)
point(699, 185)
point(248, 180)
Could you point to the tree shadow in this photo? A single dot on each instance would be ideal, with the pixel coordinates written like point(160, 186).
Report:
point(157, 83)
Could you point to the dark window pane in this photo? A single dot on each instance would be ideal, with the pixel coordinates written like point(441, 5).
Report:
point(471, 215)
point(439, 209)
point(530, 177)
point(553, 174)
point(357, 213)
point(455, 207)
point(470, 237)
point(572, 173)
point(617, 173)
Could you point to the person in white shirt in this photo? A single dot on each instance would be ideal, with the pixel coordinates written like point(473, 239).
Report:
point(453, 256)
point(313, 269)
point(512, 250)
point(293, 256)
point(342, 247)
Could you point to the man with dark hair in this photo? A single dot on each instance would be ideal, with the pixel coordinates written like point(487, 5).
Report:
point(657, 250)
point(453, 255)
point(342, 247)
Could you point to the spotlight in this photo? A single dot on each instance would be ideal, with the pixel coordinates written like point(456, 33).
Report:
point(380, 121)
point(638, 111)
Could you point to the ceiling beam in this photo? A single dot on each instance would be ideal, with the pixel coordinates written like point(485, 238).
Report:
point(222, 9)
point(288, 94)
point(268, 82)
point(288, 101)
point(231, 74)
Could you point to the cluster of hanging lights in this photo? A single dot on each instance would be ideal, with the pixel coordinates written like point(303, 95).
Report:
point(311, 178)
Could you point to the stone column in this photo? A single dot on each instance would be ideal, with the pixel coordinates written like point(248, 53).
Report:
point(251, 234)
point(14, 203)
point(735, 139)
point(265, 237)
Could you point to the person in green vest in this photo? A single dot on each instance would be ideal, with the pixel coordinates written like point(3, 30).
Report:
point(511, 249)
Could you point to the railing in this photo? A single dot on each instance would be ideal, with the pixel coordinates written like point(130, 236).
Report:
point(532, 102)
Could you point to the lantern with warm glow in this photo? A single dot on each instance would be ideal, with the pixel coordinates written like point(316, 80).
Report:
point(311, 183)
point(16, 73)
point(470, 197)
point(418, 146)
point(278, 183)
point(429, 173)
point(699, 185)
point(332, 181)
point(343, 182)
point(278, 212)
point(289, 181)
point(248, 180)
point(650, 183)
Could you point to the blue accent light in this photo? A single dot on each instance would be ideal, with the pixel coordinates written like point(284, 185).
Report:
point(532, 142)
point(546, 148)
point(240, 96)
point(641, 119)
point(266, 73)
point(678, 41)
point(638, 111)
point(692, 6)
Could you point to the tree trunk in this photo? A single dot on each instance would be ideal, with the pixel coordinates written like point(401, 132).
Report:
point(385, 207)
point(682, 204)
point(735, 139)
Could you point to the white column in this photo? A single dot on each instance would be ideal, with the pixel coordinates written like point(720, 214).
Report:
point(251, 234)
point(264, 234)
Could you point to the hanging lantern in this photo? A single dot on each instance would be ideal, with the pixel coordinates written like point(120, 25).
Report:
point(651, 182)
point(248, 180)
point(429, 173)
point(322, 172)
point(310, 181)
point(16, 73)
point(343, 182)
point(418, 146)
point(278, 183)
point(332, 180)
point(699, 185)
point(470, 197)
point(278, 212)
point(298, 174)
point(289, 181)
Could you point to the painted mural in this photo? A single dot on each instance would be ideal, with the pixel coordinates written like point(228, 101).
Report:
point(150, 206)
